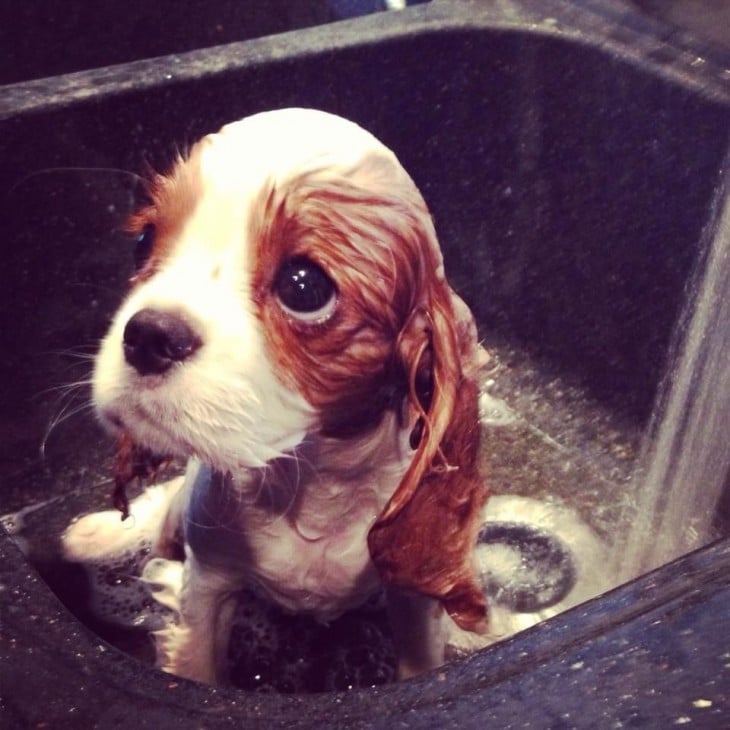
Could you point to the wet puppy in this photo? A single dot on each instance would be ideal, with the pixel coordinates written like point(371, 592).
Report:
point(290, 332)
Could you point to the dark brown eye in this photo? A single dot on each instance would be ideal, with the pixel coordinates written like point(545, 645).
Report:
point(143, 246)
point(305, 291)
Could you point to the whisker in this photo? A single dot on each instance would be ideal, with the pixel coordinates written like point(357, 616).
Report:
point(67, 405)
point(76, 355)
point(67, 412)
point(64, 390)
point(83, 352)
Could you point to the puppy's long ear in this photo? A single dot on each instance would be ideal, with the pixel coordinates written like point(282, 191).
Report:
point(424, 539)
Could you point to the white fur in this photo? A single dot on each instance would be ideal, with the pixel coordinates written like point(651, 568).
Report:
point(292, 516)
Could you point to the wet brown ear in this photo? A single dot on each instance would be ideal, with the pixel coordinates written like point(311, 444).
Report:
point(424, 539)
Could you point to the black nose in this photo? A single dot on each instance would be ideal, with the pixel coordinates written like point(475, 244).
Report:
point(155, 339)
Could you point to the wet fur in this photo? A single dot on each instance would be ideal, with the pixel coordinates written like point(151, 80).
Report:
point(342, 452)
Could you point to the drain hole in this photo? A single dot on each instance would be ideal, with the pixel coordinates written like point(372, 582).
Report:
point(524, 568)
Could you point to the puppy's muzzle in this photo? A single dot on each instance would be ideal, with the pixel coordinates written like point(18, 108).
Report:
point(155, 339)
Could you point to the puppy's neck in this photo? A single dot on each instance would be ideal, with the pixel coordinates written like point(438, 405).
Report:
point(327, 479)
point(353, 458)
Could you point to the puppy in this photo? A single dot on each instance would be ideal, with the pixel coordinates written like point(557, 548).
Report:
point(290, 331)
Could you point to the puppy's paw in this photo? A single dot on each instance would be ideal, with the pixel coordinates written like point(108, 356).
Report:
point(101, 536)
point(183, 652)
point(164, 580)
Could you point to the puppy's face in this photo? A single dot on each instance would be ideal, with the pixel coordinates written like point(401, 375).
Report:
point(279, 264)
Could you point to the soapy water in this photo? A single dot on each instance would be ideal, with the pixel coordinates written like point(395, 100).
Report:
point(526, 569)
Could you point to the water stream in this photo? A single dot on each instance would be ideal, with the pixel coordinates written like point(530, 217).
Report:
point(685, 459)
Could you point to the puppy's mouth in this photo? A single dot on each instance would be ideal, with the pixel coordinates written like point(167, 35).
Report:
point(133, 462)
point(147, 433)
point(112, 422)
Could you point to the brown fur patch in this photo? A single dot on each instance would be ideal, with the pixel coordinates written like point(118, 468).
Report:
point(425, 543)
point(173, 197)
point(370, 244)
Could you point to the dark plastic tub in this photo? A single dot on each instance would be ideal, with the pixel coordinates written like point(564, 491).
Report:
point(42, 39)
point(571, 157)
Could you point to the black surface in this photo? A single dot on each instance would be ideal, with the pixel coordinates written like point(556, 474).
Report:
point(41, 38)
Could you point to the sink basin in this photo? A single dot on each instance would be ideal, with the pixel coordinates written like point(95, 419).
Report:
point(572, 156)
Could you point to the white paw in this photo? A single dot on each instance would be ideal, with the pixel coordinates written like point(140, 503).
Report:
point(101, 536)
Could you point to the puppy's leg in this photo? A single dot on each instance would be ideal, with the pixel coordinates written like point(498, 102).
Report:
point(196, 645)
point(418, 632)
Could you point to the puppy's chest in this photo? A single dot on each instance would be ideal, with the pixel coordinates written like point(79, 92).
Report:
point(306, 549)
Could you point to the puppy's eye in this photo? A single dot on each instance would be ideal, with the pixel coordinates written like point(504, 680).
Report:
point(143, 246)
point(305, 291)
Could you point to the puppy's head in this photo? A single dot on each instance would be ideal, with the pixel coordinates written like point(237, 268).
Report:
point(289, 281)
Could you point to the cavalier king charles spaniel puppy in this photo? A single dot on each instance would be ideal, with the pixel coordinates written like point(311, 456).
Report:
point(290, 332)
